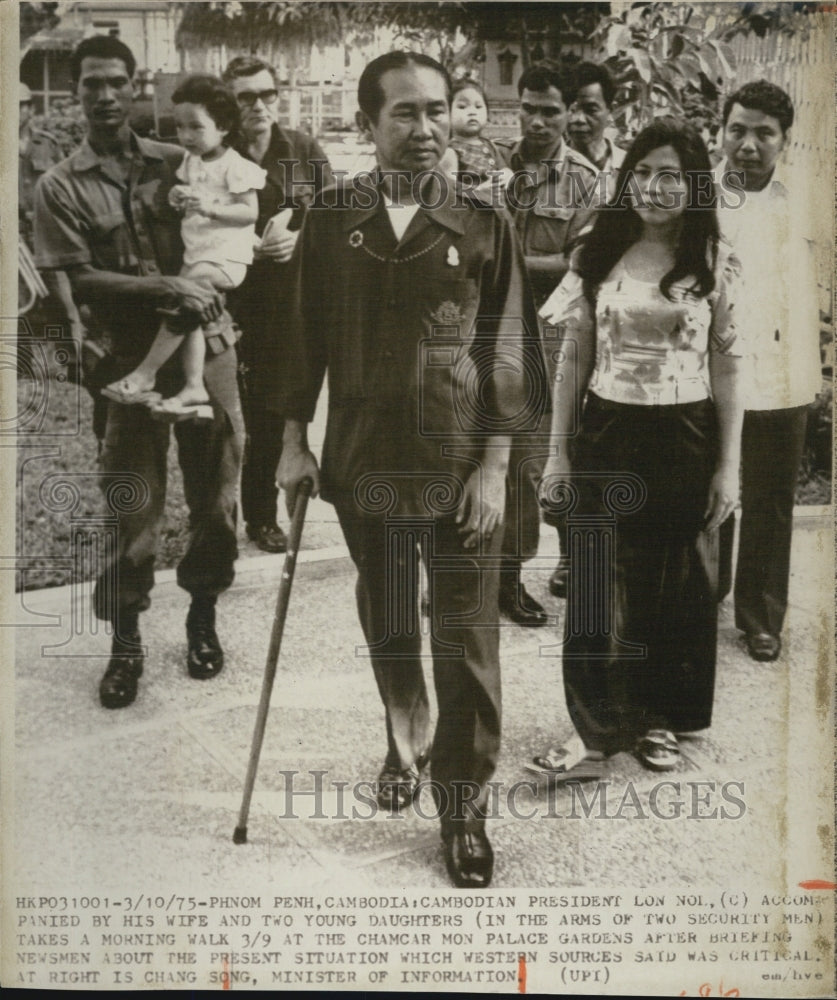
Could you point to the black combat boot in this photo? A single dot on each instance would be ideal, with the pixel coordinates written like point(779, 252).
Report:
point(118, 687)
point(206, 658)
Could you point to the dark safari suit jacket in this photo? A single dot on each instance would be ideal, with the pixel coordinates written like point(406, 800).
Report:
point(431, 342)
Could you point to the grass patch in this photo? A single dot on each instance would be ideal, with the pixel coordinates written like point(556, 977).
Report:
point(57, 443)
point(63, 448)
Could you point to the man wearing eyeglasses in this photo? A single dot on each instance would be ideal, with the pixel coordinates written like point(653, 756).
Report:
point(552, 196)
point(296, 168)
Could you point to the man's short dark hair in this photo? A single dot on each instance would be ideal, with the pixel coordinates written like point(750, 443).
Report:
point(370, 93)
point(210, 93)
point(246, 66)
point(544, 75)
point(588, 73)
point(101, 47)
point(765, 97)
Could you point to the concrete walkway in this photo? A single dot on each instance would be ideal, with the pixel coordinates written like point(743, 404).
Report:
point(106, 797)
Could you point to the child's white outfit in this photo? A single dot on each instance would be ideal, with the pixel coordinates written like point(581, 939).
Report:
point(228, 246)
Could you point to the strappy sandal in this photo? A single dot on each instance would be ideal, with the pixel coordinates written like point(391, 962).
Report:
point(559, 764)
point(172, 410)
point(129, 394)
point(659, 750)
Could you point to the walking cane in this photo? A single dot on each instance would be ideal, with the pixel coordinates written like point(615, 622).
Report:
point(282, 601)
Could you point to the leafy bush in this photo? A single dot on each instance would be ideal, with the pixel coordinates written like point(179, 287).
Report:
point(664, 58)
point(64, 122)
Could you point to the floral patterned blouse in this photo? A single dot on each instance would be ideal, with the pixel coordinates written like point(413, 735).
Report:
point(651, 350)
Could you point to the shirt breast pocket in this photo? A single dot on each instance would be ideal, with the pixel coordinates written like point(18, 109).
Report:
point(110, 243)
point(548, 227)
point(151, 207)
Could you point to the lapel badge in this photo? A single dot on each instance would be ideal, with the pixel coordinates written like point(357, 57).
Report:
point(453, 257)
point(356, 238)
point(448, 314)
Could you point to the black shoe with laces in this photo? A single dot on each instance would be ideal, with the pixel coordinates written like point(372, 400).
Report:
point(206, 657)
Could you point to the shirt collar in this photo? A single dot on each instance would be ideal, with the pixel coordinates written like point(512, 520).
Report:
point(612, 153)
point(279, 147)
point(553, 162)
point(87, 156)
point(437, 191)
point(775, 187)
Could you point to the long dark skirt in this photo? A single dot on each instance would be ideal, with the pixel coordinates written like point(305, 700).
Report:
point(639, 647)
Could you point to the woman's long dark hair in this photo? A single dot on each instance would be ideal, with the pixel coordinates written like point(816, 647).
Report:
point(618, 226)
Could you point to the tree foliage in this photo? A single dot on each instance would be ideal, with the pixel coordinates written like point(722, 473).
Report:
point(34, 17)
point(453, 31)
point(676, 58)
point(663, 59)
point(664, 56)
point(250, 25)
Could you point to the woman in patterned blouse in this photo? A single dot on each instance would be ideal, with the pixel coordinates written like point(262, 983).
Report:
point(647, 318)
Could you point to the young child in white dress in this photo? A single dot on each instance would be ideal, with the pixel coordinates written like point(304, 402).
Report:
point(220, 207)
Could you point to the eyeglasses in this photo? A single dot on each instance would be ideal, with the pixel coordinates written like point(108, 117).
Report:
point(539, 109)
point(247, 98)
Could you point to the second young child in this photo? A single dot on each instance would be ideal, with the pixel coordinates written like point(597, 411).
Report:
point(475, 154)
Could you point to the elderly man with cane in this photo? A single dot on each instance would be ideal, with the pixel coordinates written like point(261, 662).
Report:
point(413, 296)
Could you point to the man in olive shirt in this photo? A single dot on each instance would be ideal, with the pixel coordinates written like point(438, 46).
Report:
point(589, 117)
point(103, 216)
point(552, 196)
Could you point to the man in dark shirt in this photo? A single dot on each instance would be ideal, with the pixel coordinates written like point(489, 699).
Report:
point(296, 168)
point(103, 216)
point(417, 304)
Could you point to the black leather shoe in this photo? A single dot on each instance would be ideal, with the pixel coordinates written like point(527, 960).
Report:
point(268, 537)
point(469, 859)
point(558, 580)
point(518, 604)
point(118, 686)
point(205, 658)
point(763, 647)
point(397, 789)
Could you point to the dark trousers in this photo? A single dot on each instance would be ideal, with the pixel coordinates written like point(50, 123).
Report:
point(259, 307)
point(771, 448)
point(259, 493)
point(521, 531)
point(464, 642)
point(135, 449)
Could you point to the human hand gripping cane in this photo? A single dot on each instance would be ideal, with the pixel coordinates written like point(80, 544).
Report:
point(282, 601)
